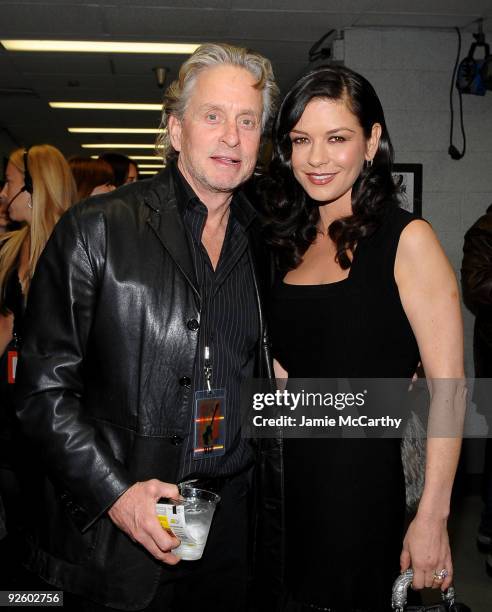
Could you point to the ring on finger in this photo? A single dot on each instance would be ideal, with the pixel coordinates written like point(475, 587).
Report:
point(441, 575)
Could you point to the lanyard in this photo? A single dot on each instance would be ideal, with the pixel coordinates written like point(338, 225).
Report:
point(207, 368)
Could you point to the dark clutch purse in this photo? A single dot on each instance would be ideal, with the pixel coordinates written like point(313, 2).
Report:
point(399, 598)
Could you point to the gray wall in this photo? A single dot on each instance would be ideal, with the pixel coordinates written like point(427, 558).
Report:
point(411, 70)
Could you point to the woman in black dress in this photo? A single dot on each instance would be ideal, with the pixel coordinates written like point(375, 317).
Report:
point(364, 290)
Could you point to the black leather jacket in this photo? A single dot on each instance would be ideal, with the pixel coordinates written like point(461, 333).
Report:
point(104, 380)
point(476, 280)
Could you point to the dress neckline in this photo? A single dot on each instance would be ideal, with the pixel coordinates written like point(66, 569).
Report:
point(337, 283)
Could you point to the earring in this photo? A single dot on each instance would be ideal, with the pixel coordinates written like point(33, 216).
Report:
point(368, 163)
point(29, 204)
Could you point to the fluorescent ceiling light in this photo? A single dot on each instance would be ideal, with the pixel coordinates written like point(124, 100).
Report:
point(95, 130)
point(148, 172)
point(101, 46)
point(135, 157)
point(147, 157)
point(106, 106)
point(117, 145)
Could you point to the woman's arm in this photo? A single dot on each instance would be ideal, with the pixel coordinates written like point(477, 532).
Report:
point(280, 373)
point(430, 297)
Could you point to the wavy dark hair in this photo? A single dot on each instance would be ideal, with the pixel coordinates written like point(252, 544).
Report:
point(292, 216)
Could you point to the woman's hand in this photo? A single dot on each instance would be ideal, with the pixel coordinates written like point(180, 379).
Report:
point(6, 331)
point(426, 550)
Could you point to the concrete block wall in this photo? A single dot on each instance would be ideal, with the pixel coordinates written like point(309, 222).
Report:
point(411, 70)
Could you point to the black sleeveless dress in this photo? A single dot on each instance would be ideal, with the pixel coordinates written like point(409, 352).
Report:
point(354, 488)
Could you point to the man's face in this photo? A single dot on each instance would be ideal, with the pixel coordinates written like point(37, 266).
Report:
point(219, 136)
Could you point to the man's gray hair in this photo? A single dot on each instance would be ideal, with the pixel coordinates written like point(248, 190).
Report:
point(208, 56)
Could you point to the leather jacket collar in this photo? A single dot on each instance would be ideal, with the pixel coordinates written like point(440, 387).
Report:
point(167, 222)
point(166, 219)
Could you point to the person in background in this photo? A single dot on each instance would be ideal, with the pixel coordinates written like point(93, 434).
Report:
point(363, 290)
point(92, 176)
point(125, 170)
point(4, 224)
point(38, 189)
point(476, 282)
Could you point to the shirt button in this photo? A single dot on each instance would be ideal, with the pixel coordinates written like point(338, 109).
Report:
point(185, 381)
point(176, 440)
point(193, 325)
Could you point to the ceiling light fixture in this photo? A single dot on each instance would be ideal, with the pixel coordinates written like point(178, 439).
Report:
point(147, 157)
point(160, 166)
point(95, 130)
point(136, 157)
point(117, 145)
point(148, 172)
point(107, 106)
point(98, 46)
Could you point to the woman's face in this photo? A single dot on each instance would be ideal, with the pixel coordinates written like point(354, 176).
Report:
point(329, 149)
point(18, 202)
point(102, 189)
point(132, 174)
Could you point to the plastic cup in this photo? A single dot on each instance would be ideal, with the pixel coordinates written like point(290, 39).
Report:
point(189, 519)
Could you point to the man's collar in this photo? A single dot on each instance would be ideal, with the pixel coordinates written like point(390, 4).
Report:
point(241, 207)
point(183, 190)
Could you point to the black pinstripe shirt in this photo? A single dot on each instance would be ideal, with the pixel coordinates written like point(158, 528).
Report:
point(229, 325)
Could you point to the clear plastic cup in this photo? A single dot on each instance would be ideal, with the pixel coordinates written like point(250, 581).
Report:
point(189, 519)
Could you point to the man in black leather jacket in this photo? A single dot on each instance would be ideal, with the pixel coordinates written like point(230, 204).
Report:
point(476, 280)
point(142, 298)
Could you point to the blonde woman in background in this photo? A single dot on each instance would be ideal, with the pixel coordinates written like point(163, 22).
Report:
point(39, 188)
point(37, 203)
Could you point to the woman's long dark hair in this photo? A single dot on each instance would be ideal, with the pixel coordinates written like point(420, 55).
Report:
point(291, 215)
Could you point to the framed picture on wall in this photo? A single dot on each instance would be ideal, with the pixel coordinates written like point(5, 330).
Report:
point(408, 177)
